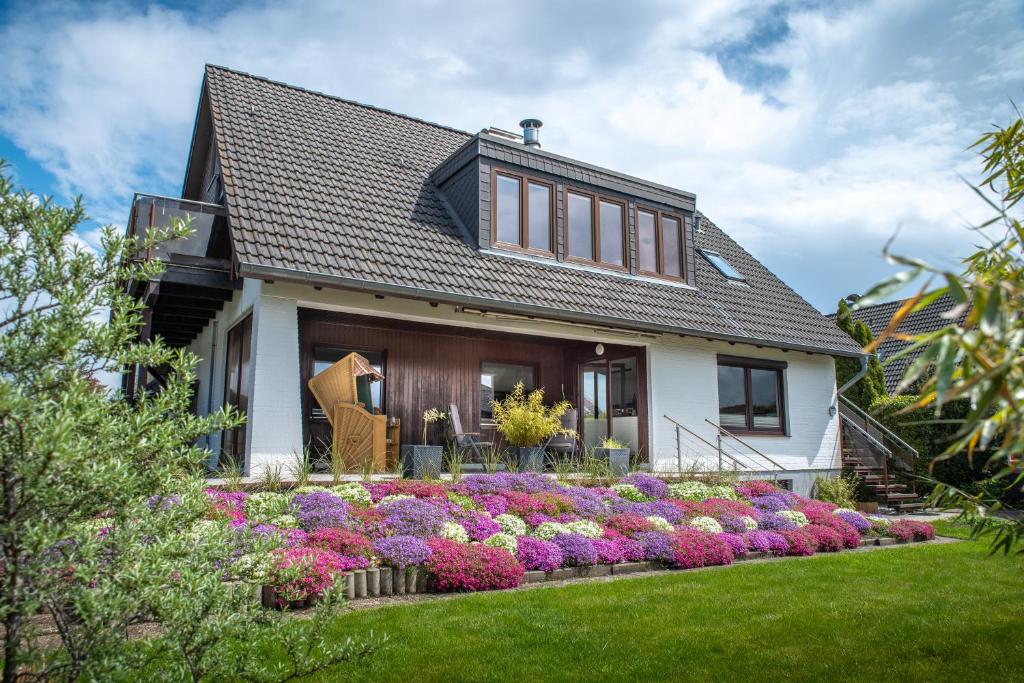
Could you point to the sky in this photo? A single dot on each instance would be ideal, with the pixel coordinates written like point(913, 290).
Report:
point(812, 132)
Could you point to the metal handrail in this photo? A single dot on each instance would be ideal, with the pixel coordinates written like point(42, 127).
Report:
point(879, 426)
point(887, 451)
point(725, 431)
point(701, 438)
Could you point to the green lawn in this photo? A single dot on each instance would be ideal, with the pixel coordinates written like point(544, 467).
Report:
point(922, 612)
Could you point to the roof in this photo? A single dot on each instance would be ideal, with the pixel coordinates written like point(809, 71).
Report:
point(325, 190)
point(928, 319)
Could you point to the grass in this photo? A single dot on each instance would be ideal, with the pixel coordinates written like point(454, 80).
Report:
point(921, 612)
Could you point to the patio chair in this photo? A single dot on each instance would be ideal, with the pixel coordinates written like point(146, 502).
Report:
point(567, 442)
point(467, 441)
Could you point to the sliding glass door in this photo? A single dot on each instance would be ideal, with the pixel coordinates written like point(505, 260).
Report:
point(594, 411)
point(610, 405)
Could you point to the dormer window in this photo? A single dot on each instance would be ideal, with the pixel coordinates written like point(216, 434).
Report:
point(596, 229)
point(660, 243)
point(523, 214)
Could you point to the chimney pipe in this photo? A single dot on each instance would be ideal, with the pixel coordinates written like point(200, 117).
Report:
point(531, 132)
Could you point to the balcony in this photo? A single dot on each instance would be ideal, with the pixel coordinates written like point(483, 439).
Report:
point(197, 277)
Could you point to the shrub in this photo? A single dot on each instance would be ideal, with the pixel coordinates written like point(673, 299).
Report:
point(319, 510)
point(608, 551)
point(706, 524)
point(751, 489)
point(627, 525)
point(454, 531)
point(652, 487)
point(839, 490)
point(798, 518)
point(457, 567)
point(767, 542)
point(511, 524)
point(301, 573)
point(906, 530)
point(401, 551)
point(737, 544)
point(577, 550)
point(524, 420)
point(548, 530)
point(501, 540)
point(585, 528)
point(631, 549)
point(264, 506)
point(770, 521)
point(825, 539)
point(539, 555)
point(689, 490)
point(354, 493)
point(341, 541)
point(658, 546)
point(771, 502)
point(413, 517)
point(631, 492)
point(799, 542)
point(479, 527)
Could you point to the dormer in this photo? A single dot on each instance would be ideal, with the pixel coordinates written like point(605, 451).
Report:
point(515, 199)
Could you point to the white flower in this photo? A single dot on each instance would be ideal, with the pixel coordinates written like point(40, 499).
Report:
point(453, 531)
point(749, 522)
point(724, 492)
point(511, 524)
point(393, 497)
point(689, 490)
point(548, 530)
point(506, 541)
point(708, 524)
point(838, 510)
point(660, 523)
point(630, 492)
point(586, 528)
point(353, 492)
point(798, 518)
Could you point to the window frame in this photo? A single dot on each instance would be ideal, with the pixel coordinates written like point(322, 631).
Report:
point(534, 367)
point(524, 214)
point(748, 364)
point(595, 229)
point(709, 253)
point(237, 437)
point(659, 243)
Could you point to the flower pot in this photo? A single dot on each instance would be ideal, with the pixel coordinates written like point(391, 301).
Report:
point(867, 507)
point(617, 459)
point(419, 462)
point(530, 459)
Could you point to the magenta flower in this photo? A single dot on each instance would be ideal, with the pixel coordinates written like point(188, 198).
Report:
point(538, 555)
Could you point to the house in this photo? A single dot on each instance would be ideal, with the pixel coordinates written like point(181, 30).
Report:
point(459, 264)
point(932, 317)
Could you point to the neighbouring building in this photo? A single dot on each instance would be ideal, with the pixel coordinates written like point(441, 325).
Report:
point(461, 263)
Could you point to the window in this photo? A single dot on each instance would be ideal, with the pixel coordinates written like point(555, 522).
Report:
point(523, 214)
point(497, 380)
point(326, 356)
point(723, 266)
point(661, 244)
point(236, 387)
point(596, 228)
point(750, 395)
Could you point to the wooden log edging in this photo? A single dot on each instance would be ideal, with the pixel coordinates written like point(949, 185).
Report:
point(389, 581)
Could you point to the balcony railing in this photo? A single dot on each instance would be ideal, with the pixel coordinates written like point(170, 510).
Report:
point(209, 239)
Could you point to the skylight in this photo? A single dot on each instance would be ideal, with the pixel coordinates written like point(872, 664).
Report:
point(720, 264)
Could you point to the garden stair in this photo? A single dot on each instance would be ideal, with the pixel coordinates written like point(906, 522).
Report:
point(879, 457)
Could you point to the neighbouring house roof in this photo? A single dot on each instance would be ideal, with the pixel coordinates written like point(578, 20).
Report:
point(332, 192)
point(928, 319)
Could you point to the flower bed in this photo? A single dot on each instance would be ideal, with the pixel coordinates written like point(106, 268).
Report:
point(487, 531)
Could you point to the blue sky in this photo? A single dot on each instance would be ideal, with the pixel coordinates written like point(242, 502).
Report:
point(810, 131)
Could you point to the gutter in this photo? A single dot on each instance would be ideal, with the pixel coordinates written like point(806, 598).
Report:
point(307, 277)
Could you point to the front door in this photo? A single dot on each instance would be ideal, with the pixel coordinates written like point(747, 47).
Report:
point(594, 408)
point(611, 402)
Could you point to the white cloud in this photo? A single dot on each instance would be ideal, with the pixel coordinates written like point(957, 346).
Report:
point(863, 130)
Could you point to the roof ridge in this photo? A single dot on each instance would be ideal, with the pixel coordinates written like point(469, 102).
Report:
point(336, 98)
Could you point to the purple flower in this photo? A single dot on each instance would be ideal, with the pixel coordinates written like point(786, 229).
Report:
point(479, 527)
point(670, 511)
point(401, 551)
point(619, 506)
point(645, 483)
point(577, 551)
point(608, 551)
point(526, 482)
point(494, 504)
point(771, 502)
point(632, 550)
point(535, 554)
point(413, 517)
point(854, 519)
point(319, 510)
point(767, 542)
point(736, 543)
point(587, 502)
point(769, 521)
point(732, 523)
point(657, 546)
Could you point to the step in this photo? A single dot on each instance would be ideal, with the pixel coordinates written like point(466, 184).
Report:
point(911, 506)
point(900, 496)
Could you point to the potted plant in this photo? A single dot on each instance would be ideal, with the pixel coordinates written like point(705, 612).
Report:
point(424, 460)
point(526, 424)
point(616, 454)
